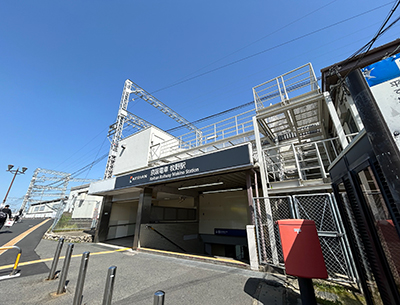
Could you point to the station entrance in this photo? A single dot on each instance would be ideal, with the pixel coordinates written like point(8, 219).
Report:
point(203, 216)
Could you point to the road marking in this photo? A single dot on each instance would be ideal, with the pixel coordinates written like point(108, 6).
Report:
point(15, 240)
point(205, 258)
point(62, 257)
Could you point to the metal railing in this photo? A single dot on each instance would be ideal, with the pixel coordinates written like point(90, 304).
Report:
point(302, 161)
point(321, 208)
point(14, 271)
point(237, 129)
point(278, 88)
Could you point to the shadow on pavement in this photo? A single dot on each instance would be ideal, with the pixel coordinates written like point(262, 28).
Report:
point(270, 291)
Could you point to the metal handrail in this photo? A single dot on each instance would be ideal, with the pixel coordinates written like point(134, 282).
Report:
point(228, 128)
point(162, 235)
point(276, 163)
point(14, 271)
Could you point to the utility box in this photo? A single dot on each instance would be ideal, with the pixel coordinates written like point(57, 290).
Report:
point(301, 249)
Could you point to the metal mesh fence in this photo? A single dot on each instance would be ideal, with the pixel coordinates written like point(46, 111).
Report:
point(281, 208)
point(67, 223)
point(318, 207)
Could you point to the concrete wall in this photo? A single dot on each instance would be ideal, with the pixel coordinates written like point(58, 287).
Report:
point(85, 208)
point(82, 205)
point(122, 219)
point(134, 151)
point(223, 210)
point(184, 235)
point(102, 186)
point(42, 210)
point(176, 203)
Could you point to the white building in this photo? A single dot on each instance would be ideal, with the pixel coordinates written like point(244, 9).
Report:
point(43, 209)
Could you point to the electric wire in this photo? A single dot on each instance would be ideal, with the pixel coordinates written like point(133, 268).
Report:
point(291, 58)
point(254, 42)
point(271, 48)
point(367, 47)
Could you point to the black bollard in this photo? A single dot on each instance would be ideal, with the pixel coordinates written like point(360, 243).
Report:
point(81, 279)
point(159, 297)
point(53, 268)
point(64, 271)
point(109, 285)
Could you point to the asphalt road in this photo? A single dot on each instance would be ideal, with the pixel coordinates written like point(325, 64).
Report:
point(27, 244)
point(139, 275)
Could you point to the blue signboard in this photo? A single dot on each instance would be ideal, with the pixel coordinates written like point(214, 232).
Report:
point(230, 232)
point(382, 71)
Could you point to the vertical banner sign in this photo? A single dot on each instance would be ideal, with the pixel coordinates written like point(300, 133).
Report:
point(383, 77)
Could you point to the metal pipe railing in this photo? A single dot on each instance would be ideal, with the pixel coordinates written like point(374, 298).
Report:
point(14, 270)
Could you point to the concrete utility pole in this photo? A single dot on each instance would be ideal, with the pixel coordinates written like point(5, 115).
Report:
point(15, 172)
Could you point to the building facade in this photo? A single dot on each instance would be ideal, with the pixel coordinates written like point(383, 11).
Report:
point(292, 156)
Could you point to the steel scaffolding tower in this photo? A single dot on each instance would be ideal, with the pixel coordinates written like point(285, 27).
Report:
point(125, 117)
point(57, 190)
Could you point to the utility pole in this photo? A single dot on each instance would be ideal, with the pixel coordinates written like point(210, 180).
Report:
point(15, 172)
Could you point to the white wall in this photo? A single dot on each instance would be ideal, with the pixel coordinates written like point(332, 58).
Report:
point(102, 186)
point(223, 210)
point(185, 235)
point(86, 208)
point(122, 213)
point(134, 151)
point(42, 210)
point(135, 154)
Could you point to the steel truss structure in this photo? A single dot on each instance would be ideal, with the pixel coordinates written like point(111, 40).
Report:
point(125, 119)
point(37, 189)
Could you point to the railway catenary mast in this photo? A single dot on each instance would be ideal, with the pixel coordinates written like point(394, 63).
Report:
point(125, 117)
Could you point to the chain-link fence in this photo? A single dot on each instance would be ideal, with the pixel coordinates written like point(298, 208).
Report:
point(270, 249)
point(70, 221)
point(318, 207)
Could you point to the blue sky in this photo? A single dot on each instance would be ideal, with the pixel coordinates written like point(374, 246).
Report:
point(63, 65)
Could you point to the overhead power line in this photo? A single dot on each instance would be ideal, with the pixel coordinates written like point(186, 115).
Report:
point(254, 42)
point(271, 48)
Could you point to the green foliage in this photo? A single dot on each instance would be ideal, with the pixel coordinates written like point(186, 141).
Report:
point(64, 224)
point(343, 295)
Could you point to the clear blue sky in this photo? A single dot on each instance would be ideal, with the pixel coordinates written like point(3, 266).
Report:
point(63, 65)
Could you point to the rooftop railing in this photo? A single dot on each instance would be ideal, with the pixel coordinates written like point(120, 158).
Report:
point(279, 89)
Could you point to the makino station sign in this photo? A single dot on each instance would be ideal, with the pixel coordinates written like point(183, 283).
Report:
point(228, 159)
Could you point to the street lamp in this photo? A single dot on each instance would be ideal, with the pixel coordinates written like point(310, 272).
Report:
point(15, 172)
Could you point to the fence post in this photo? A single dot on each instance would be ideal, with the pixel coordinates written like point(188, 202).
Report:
point(81, 279)
point(64, 271)
point(159, 297)
point(58, 214)
point(109, 285)
point(52, 273)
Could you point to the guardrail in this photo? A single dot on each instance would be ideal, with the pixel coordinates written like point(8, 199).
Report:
point(14, 272)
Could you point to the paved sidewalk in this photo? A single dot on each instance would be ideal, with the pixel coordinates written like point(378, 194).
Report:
point(139, 275)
